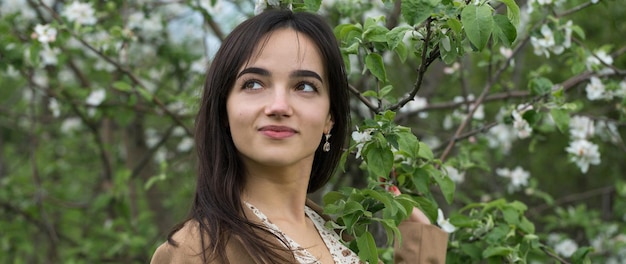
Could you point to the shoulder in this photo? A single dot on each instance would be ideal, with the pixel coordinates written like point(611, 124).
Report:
point(188, 248)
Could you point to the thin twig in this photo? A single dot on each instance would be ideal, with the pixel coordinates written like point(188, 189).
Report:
point(479, 101)
point(420, 71)
point(363, 99)
point(573, 198)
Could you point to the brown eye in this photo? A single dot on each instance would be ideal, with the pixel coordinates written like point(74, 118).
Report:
point(306, 87)
point(252, 85)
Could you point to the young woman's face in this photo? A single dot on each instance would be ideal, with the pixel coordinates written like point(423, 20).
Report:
point(279, 108)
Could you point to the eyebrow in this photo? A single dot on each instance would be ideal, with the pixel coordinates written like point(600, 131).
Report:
point(297, 73)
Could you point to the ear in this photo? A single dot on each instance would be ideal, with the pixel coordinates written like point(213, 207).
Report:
point(329, 124)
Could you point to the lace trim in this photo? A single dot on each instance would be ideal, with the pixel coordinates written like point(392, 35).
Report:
point(339, 252)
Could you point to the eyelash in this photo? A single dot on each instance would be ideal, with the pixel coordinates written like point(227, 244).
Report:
point(246, 82)
point(315, 89)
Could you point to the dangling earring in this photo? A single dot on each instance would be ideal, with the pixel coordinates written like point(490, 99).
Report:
point(326, 147)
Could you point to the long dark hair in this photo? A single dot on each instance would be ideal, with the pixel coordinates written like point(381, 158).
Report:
point(217, 205)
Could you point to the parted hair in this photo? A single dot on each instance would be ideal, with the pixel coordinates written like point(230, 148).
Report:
point(217, 205)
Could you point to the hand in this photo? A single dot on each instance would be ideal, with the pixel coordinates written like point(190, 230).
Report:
point(416, 215)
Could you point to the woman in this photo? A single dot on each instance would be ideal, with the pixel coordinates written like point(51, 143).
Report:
point(274, 94)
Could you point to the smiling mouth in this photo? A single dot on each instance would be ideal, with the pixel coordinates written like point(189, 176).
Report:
point(277, 132)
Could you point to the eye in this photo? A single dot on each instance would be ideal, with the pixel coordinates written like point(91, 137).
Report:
point(252, 85)
point(306, 87)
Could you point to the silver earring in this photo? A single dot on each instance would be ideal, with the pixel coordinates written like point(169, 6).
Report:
point(326, 147)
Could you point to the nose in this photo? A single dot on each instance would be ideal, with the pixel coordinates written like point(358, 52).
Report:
point(279, 104)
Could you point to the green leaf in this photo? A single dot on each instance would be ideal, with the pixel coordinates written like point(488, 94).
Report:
point(379, 160)
point(145, 94)
point(313, 5)
point(526, 226)
point(122, 86)
point(473, 250)
point(396, 35)
point(511, 216)
point(504, 30)
point(333, 196)
point(385, 91)
point(512, 11)
point(496, 251)
point(446, 185)
point(455, 25)
point(478, 24)
point(425, 152)
point(352, 207)
point(374, 63)
point(581, 256)
point(367, 248)
point(416, 11)
point(409, 144)
point(402, 52)
point(348, 32)
point(448, 52)
point(561, 119)
point(540, 86)
point(392, 230)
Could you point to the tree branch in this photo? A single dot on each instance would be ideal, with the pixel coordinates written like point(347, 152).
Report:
point(426, 61)
point(121, 68)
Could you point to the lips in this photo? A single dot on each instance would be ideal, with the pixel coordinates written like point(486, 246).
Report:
point(277, 132)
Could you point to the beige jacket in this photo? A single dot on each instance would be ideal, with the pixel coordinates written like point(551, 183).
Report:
point(421, 243)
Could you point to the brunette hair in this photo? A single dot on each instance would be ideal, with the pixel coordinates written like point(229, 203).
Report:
point(217, 205)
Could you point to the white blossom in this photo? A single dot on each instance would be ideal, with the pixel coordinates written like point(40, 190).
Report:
point(45, 34)
point(566, 248)
point(49, 55)
point(70, 124)
point(506, 52)
point(543, 43)
point(415, 105)
point(445, 224)
point(22, 7)
point(259, 6)
point(501, 136)
point(520, 125)
point(160, 155)
point(595, 89)
point(597, 61)
point(518, 177)
point(152, 137)
point(447, 122)
point(179, 131)
point(567, 42)
point(54, 107)
point(199, 66)
point(621, 91)
point(81, 13)
point(185, 144)
point(96, 97)
point(360, 138)
point(149, 27)
point(583, 153)
point(581, 127)
point(454, 174)
point(452, 68)
point(607, 131)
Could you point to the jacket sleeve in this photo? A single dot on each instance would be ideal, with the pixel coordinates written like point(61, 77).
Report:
point(421, 243)
point(186, 252)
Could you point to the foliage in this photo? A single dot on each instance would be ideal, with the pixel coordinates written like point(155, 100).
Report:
point(494, 112)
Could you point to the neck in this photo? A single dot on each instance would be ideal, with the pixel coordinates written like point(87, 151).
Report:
point(279, 193)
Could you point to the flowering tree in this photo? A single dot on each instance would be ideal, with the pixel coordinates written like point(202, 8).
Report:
point(507, 116)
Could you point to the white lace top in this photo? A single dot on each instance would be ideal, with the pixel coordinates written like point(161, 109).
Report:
point(340, 253)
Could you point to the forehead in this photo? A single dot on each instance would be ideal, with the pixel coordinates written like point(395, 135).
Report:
point(288, 48)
